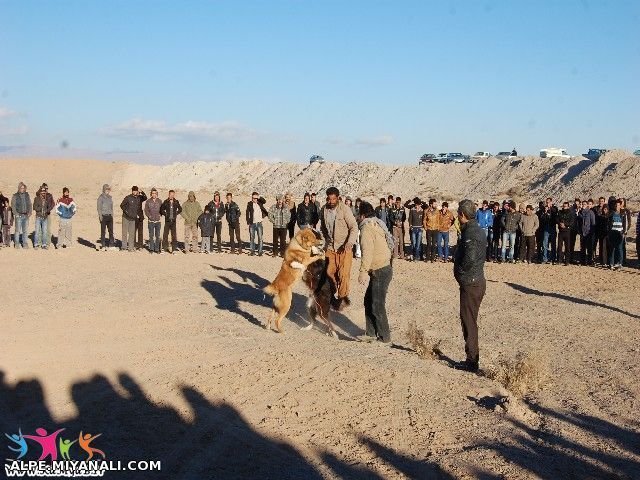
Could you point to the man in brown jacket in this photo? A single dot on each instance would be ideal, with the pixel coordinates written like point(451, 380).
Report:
point(430, 224)
point(340, 230)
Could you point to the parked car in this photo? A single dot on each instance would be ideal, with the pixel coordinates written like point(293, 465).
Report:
point(427, 158)
point(554, 152)
point(316, 159)
point(594, 153)
point(637, 152)
point(505, 155)
point(457, 157)
point(442, 158)
point(480, 155)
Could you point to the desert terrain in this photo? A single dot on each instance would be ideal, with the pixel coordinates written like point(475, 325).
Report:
point(166, 356)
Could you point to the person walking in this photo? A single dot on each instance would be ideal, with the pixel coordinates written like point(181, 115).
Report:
point(170, 209)
point(509, 223)
point(468, 270)
point(291, 205)
point(307, 213)
point(191, 210)
point(254, 214)
point(130, 207)
point(232, 214)
point(279, 216)
point(217, 210)
point(587, 231)
point(105, 217)
point(41, 206)
point(566, 218)
point(340, 230)
point(529, 223)
point(397, 217)
point(416, 219)
point(152, 211)
point(65, 209)
point(616, 227)
point(430, 225)
point(21, 206)
point(445, 222)
point(206, 221)
point(140, 222)
point(6, 220)
point(377, 244)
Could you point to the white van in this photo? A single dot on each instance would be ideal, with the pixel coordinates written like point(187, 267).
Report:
point(554, 152)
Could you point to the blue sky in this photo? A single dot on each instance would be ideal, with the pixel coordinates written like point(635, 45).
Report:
point(378, 81)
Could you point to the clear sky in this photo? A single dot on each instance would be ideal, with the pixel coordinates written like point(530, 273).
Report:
point(350, 80)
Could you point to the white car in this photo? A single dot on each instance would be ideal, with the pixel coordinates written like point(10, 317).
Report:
point(480, 155)
point(554, 152)
point(505, 155)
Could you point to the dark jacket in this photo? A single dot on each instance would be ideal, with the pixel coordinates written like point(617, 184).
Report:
point(602, 220)
point(549, 219)
point(21, 204)
point(566, 218)
point(588, 221)
point(206, 222)
point(42, 206)
point(397, 216)
point(509, 221)
point(232, 213)
point(169, 210)
point(130, 206)
point(307, 214)
point(249, 212)
point(468, 266)
point(380, 213)
point(143, 198)
point(218, 212)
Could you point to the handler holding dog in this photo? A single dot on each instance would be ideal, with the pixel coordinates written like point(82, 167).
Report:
point(340, 230)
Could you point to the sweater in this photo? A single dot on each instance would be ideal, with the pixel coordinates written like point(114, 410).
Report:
point(375, 248)
point(152, 209)
point(529, 224)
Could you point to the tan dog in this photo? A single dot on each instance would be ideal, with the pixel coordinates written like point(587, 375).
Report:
point(304, 248)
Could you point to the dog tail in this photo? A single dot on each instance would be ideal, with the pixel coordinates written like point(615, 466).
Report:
point(270, 289)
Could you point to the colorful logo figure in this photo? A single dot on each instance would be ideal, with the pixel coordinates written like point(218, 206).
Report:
point(47, 442)
point(19, 440)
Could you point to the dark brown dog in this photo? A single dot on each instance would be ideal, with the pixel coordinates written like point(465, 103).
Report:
point(319, 303)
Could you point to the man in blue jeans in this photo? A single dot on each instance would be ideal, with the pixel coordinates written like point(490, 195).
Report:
point(21, 206)
point(416, 215)
point(484, 217)
point(509, 221)
point(254, 214)
point(548, 221)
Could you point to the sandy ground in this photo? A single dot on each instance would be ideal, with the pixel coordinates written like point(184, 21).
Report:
point(166, 357)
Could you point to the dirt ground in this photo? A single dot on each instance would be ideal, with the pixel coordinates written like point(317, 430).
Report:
point(167, 358)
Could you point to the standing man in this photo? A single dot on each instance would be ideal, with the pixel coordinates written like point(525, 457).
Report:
point(66, 209)
point(140, 222)
point(51, 204)
point(279, 216)
point(575, 229)
point(468, 271)
point(376, 243)
point(232, 214)
point(130, 207)
point(548, 222)
point(307, 213)
point(587, 230)
point(340, 230)
point(485, 221)
point(191, 210)
point(445, 222)
point(21, 206)
point(397, 217)
point(170, 209)
point(566, 219)
point(217, 210)
point(291, 205)
point(528, 225)
point(152, 211)
point(416, 218)
point(105, 216)
point(318, 207)
point(509, 222)
point(41, 207)
point(430, 224)
point(382, 212)
point(254, 214)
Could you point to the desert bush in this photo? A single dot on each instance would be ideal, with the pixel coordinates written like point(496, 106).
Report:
point(524, 374)
point(424, 346)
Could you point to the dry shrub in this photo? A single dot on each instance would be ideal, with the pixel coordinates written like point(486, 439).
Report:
point(425, 347)
point(524, 374)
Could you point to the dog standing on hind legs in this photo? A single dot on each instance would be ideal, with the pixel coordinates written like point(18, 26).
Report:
point(304, 248)
point(319, 303)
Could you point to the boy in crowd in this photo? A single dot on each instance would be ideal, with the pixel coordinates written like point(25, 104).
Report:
point(66, 209)
point(232, 214)
point(152, 211)
point(191, 210)
point(206, 221)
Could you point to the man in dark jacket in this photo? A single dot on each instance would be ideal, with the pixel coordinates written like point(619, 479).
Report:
point(468, 270)
point(140, 222)
point(254, 215)
point(130, 207)
point(575, 229)
point(315, 202)
point(382, 212)
point(588, 231)
point(307, 213)
point(218, 211)
point(397, 217)
point(548, 222)
point(232, 214)
point(170, 209)
point(566, 221)
point(509, 222)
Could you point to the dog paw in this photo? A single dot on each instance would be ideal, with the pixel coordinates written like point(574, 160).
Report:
point(297, 265)
point(333, 334)
point(315, 250)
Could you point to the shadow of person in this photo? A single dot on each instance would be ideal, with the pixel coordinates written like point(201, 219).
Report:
point(568, 298)
point(228, 295)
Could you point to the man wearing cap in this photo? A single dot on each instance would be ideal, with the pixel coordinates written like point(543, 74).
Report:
point(279, 216)
point(21, 206)
point(468, 270)
point(191, 211)
point(129, 206)
point(340, 230)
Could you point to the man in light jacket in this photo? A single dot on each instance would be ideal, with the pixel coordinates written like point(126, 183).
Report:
point(152, 211)
point(191, 210)
point(66, 209)
point(279, 216)
point(105, 216)
point(340, 230)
